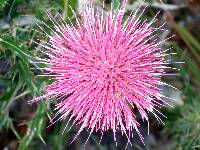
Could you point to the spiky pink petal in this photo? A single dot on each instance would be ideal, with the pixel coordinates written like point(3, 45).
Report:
point(105, 69)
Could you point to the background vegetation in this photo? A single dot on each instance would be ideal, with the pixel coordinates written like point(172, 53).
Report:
point(23, 126)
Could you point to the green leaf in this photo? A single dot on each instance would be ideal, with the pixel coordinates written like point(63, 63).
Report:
point(189, 39)
point(35, 127)
point(15, 47)
point(4, 81)
point(26, 75)
point(8, 93)
point(3, 4)
point(69, 7)
point(6, 122)
point(190, 63)
point(115, 4)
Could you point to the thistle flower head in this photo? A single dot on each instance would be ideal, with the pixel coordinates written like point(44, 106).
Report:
point(104, 70)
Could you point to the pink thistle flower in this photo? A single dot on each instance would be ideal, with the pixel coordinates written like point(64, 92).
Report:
point(104, 70)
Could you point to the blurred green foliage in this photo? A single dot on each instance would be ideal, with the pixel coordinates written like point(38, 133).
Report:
point(19, 80)
point(183, 121)
point(2, 4)
point(115, 4)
